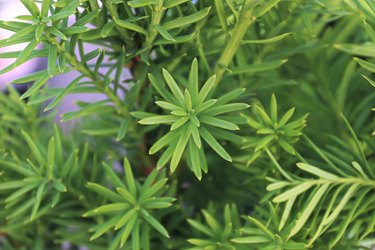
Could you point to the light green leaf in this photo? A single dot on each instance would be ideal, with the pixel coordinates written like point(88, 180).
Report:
point(141, 114)
point(359, 169)
point(285, 118)
point(128, 228)
point(370, 226)
point(293, 192)
point(45, 6)
point(166, 156)
point(74, 30)
point(135, 236)
point(183, 21)
point(204, 106)
point(194, 120)
point(125, 218)
point(177, 39)
point(260, 111)
point(150, 180)
point(36, 86)
point(370, 31)
point(141, 3)
point(367, 65)
point(195, 135)
point(57, 33)
point(30, 78)
point(88, 17)
point(214, 144)
point(277, 185)
point(51, 156)
point(21, 191)
point(265, 7)
point(129, 177)
point(194, 158)
point(154, 223)
point(226, 135)
point(262, 227)
point(268, 40)
point(173, 3)
point(251, 240)
point(61, 15)
point(265, 131)
point(153, 188)
point(21, 33)
point(130, 26)
point(179, 123)
point(287, 146)
point(200, 227)
point(90, 109)
point(52, 58)
point(103, 228)
point(107, 209)
point(286, 212)
point(157, 205)
point(168, 106)
point(37, 153)
point(164, 141)
point(100, 132)
point(11, 185)
point(188, 101)
point(193, 80)
point(24, 55)
point(212, 222)
point(344, 200)
point(164, 33)
point(127, 195)
point(180, 148)
point(317, 171)
point(16, 168)
point(31, 7)
point(309, 209)
point(161, 90)
point(39, 32)
point(257, 67)
point(226, 108)
point(173, 87)
point(264, 142)
point(105, 192)
point(159, 119)
point(367, 50)
point(13, 26)
point(38, 200)
point(107, 28)
point(221, 14)
point(123, 129)
point(273, 110)
point(230, 96)
point(217, 122)
point(372, 82)
point(206, 89)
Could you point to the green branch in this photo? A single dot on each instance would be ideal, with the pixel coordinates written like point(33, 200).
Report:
point(157, 14)
point(72, 60)
point(245, 20)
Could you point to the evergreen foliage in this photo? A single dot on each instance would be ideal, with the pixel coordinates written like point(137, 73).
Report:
point(242, 124)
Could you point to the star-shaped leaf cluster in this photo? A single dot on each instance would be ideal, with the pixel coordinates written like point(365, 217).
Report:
point(193, 115)
point(214, 234)
point(271, 130)
point(131, 207)
point(37, 184)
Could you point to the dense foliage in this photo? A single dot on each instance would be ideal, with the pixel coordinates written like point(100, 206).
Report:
point(242, 124)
